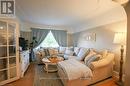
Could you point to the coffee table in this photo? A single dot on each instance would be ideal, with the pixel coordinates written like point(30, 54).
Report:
point(48, 63)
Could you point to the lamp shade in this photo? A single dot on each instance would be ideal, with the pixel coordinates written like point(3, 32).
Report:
point(120, 38)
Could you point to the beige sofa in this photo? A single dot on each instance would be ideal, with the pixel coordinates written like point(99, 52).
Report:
point(101, 69)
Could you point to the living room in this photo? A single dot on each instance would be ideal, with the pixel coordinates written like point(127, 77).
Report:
point(93, 25)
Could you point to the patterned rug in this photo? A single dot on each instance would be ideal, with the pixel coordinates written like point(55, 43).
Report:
point(42, 78)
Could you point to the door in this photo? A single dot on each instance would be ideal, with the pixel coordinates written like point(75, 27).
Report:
point(9, 54)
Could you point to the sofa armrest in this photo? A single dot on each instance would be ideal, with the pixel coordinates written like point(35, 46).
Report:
point(108, 60)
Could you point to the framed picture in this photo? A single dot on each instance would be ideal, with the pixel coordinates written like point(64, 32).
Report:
point(90, 37)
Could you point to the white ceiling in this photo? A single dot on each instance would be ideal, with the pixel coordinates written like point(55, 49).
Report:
point(73, 14)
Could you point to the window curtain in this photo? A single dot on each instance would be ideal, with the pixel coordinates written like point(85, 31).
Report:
point(26, 35)
point(60, 36)
point(40, 35)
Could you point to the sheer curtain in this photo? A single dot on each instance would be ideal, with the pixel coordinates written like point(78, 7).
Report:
point(60, 36)
point(40, 34)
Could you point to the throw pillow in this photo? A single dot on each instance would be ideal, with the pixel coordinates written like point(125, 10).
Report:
point(42, 53)
point(76, 50)
point(50, 52)
point(69, 52)
point(104, 53)
point(91, 53)
point(55, 51)
point(82, 53)
point(92, 59)
point(46, 52)
point(70, 48)
point(62, 50)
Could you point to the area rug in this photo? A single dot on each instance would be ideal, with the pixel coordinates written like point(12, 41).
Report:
point(42, 78)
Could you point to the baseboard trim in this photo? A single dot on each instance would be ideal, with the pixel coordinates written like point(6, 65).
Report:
point(99, 81)
point(116, 75)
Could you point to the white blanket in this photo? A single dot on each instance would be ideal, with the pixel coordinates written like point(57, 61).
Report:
point(75, 69)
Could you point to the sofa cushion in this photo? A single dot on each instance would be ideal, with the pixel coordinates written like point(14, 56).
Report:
point(53, 51)
point(82, 53)
point(66, 57)
point(62, 50)
point(103, 53)
point(69, 52)
point(46, 52)
point(76, 50)
point(90, 54)
point(92, 59)
point(70, 48)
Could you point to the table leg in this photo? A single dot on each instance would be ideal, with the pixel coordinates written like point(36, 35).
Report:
point(46, 67)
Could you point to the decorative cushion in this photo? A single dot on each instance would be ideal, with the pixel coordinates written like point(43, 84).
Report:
point(82, 53)
point(46, 52)
point(42, 53)
point(104, 53)
point(70, 48)
point(69, 52)
point(53, 51)
point(50, 52)
point(92, 59)
point(66, 57)
point(62, 50)
point(76, 50)
point(90, 54)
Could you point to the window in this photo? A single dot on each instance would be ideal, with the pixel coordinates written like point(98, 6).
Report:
point(49, 41)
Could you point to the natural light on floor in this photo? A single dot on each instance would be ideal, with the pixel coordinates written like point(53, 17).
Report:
point(49, 41)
